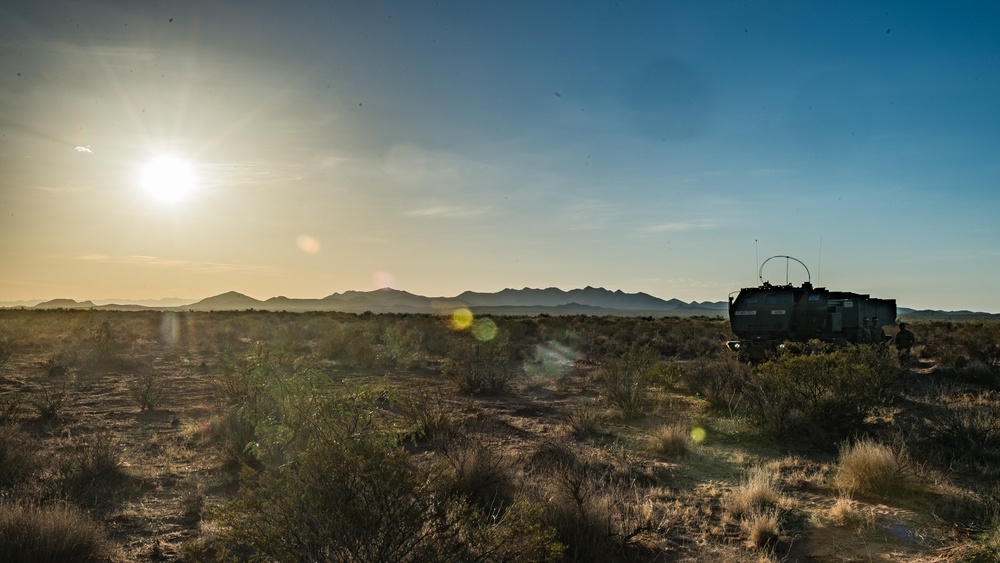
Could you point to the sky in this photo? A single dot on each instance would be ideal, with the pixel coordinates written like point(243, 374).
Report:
point(186, 148)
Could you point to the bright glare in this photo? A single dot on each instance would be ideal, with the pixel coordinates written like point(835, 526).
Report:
point(168, 179)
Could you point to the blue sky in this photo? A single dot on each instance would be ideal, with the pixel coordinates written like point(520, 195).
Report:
point(437, 147)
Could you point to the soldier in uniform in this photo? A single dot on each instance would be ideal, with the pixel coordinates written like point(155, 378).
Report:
point(864, 333)
point(878, 333)
point(904, 341)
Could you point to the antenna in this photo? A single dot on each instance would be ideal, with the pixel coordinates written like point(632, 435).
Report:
point(819, 265)
point(756, 255)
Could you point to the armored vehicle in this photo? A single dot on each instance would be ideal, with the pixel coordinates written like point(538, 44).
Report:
point(764, 317)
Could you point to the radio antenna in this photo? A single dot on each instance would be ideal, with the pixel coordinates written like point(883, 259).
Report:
point(756, 255)
point(819, 265)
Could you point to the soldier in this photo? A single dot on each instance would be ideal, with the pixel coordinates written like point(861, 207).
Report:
point(864, 333)
point(904, 341)
point(878, 333)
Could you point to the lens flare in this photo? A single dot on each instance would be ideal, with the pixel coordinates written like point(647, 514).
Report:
point(461, 319)
point(484, 330)
point(383, 280)
point(307, 244)
point(698, 434)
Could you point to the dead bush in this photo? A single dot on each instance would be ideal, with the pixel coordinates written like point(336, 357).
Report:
point(624, 377)
point(31, 534)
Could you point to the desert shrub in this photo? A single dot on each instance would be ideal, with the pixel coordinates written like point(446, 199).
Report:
point(980, 373)
point(758, 491)
point(480, 472)
point(147, 391)
point(986, 546)
point(428, 416)
point(596, 516)
point(762, 527)
point(479, 366)
point(870, 468)
point(10, 406)
point(825, 395)
point(50, 399)
point(954, 345)
point(586, 421)
point(92, 473)
point(350, 492)
point(6, 351)
point(672, 440)
point(964, 430)
point(271, 398)
point(17, 455)
point(30, 534)
point(401, 345)
point(354, 343)
point(720, 380)
point(107, 348)
point(624, 377)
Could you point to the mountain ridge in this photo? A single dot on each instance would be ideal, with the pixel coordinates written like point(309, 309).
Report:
point(526, 301)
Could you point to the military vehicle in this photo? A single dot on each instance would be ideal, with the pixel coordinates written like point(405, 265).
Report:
point(764, 318)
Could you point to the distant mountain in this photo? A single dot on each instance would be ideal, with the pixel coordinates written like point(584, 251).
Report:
point(553, 297)
point(526, 301)
point(229, 301)
point(65, 304)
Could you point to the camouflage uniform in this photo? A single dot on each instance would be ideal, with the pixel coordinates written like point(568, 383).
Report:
point(878, 333)
point(864, 333)
point(904, 341)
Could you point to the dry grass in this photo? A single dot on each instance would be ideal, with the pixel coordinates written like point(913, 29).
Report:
point(610, 486)
point(870, 468)
point(757, 492)
point(30, 534)
point(762, 527)
point(671, 440)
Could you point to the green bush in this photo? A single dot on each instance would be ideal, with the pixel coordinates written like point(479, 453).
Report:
point(825, 395)
point(720, 380)
point(624, 377)
point(964, 431)
point(490, 366)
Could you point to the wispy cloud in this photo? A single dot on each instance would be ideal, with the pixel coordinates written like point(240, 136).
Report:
point(680, 226)
point(445, 211)
point(189, 265)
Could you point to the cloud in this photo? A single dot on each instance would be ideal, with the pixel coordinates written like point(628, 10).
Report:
point(680, 226)
point(83, 149)
point(189, 265)
point(445, 211)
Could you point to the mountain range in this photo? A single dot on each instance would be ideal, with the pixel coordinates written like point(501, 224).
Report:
point(587, 301)
point(526, 301)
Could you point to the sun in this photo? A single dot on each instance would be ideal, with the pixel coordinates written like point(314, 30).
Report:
point(168, 179)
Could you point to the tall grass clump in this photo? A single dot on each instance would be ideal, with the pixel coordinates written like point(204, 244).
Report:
point(672, 440)
point(758, 491)
point(50, 534)
point(867, 467)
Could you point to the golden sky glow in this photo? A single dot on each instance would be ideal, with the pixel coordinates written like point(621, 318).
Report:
point(303, 149)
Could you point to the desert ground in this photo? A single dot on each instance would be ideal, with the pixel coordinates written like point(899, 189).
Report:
point(229, 436)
